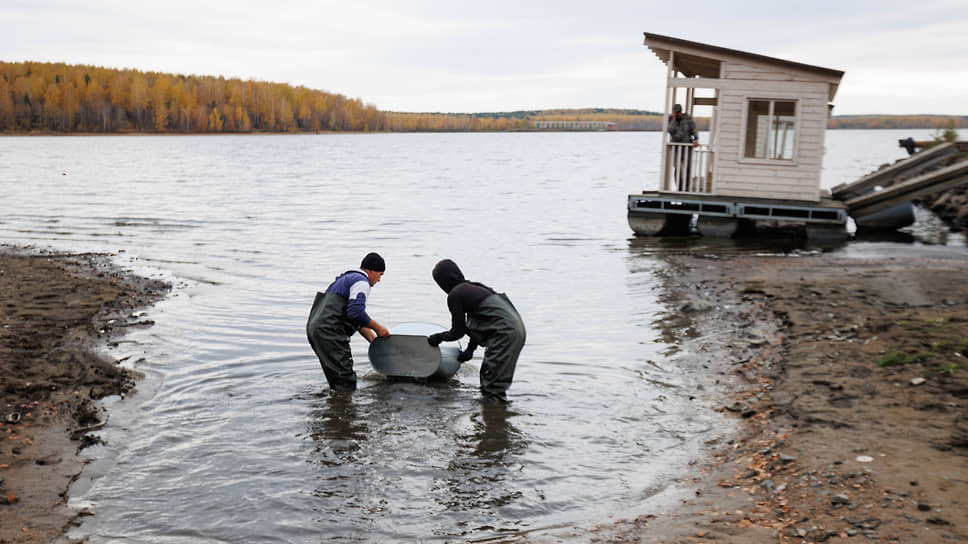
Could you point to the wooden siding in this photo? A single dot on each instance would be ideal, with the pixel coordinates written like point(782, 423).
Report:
point(760, 72)
point(735, 70)
point(740, 76)
point(796, 180)
point(762, 85)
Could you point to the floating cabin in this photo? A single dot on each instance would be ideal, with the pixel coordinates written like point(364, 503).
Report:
point(762, 163)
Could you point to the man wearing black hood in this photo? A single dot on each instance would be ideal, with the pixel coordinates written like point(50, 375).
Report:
point(339, 312)
point(488, 319)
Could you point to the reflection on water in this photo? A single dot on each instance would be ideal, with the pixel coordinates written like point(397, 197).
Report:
point(370, 475)
point(481, 458)
point(337, 429)
point(479, 475)
point(698, 245)
point(495, 435)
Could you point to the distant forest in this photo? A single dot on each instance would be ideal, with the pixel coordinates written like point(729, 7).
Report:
point(63, 98)
point(898, 121)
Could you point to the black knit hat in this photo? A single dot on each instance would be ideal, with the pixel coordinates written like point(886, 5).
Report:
point(373, 262)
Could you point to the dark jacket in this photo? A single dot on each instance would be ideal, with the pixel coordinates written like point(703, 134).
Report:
point(682, 130)
point(463, 297)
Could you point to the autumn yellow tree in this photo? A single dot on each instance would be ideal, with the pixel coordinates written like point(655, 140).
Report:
point(6, 106)
point(53, 106)
point(96, 106)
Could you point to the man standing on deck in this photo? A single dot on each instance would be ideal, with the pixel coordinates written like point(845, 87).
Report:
point(337, 314)
point(682, 130)
point(490, 320)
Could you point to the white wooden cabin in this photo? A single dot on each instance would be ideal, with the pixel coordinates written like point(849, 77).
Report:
point(767, 126)
point(764, 154)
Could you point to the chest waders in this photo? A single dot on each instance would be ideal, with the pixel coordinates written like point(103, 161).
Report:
point(329, 334)
point(497, 326)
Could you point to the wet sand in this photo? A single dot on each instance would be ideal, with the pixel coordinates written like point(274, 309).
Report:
point(55, 311)
point(833, 446)
point(850, 377)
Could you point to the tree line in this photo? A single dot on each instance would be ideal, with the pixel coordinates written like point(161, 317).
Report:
point(57, 97)
point(76, 98)
point(898, 121)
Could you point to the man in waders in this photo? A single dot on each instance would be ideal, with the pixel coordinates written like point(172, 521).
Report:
point(337, 314)
point(488, 319)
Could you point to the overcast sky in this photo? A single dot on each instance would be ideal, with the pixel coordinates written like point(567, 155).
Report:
point(498, 55)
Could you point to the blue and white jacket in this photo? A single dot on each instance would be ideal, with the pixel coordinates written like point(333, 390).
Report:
point(355, 286)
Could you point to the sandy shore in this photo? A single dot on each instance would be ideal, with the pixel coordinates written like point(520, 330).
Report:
point(848, 376)
point(55, 310)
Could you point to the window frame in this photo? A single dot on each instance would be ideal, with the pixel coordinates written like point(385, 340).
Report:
point(747, 103)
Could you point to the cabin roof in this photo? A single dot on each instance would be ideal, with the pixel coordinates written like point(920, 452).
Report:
point(695, 64)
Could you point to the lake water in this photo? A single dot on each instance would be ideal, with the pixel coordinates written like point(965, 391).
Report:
point(233, 435)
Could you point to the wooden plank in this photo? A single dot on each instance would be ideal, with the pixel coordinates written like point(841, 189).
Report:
point(761, 185)
point(885, 176)
point(766, 185)
point(738, 70)
point(746, 75)
point(798, 196)
point(794, 88)
point(814, 111)
point(762, 191)
point(810, 129)
point(932, 182)
point(745, 66)
point(811, 143)
point(765, 191)
point(790, 90)
point(765, 171)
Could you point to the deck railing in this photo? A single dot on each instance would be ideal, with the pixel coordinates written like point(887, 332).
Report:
point(688, 168)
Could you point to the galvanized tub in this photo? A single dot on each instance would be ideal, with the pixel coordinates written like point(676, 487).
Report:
point(406, 353)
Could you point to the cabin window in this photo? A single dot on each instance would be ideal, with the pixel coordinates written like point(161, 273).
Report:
point(770, 129)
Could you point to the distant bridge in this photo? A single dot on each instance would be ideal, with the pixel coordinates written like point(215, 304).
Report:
point(575, 125)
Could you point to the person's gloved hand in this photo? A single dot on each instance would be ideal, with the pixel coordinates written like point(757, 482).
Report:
point(435, 339)
point(465, 355)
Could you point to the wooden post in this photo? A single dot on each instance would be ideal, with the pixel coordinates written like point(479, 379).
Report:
point(664, 165)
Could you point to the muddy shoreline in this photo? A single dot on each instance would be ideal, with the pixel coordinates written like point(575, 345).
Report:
point(57, 310)
point(852, 404)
